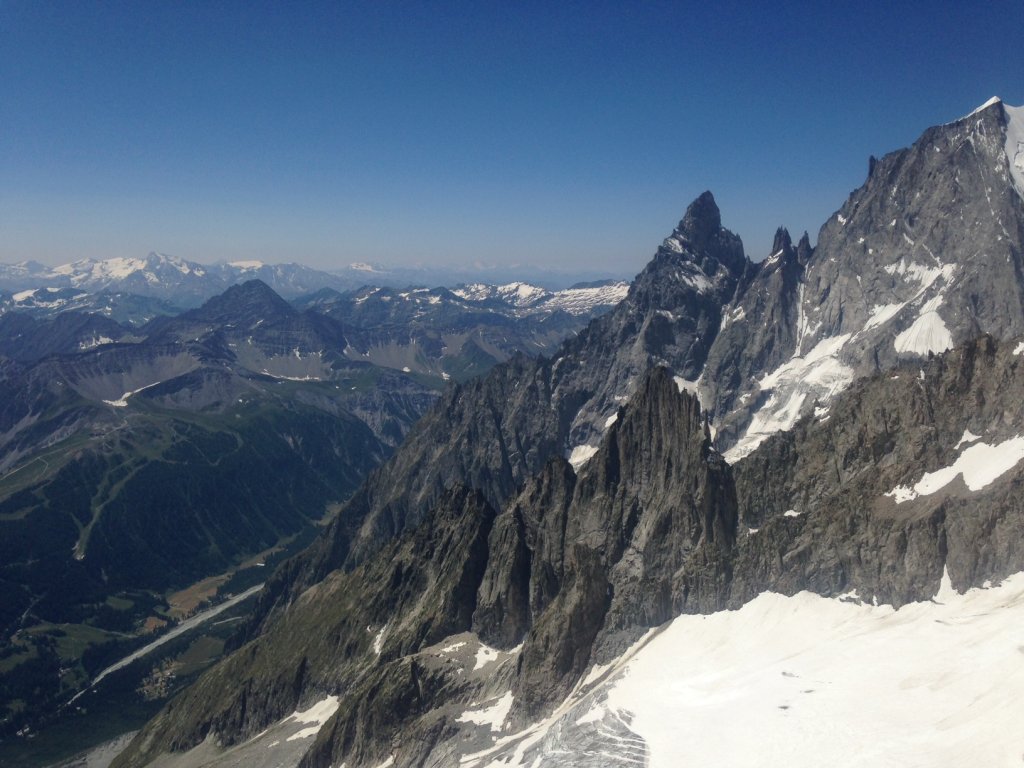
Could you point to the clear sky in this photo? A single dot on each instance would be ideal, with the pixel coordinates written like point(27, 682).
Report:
point(571, 133)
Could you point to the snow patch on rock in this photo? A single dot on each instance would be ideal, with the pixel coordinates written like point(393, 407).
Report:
point(817, 376)
point(580, 455)
point(967, 438)
point(979, 465)
point(928, 333)
point(95, 341)
point(986, 105)
point(484, 656)
point(122, 402)
point(685, 385)
point(378, 639)
point(493, 715)
point(882, 314)
point(314, 717)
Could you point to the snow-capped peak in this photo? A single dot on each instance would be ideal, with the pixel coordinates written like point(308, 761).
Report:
point(986, 105)
point(521, 294)
point(246, 265)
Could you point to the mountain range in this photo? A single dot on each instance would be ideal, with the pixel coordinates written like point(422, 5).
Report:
point(185, 284)
point(839, 423)
point(139, 461)
point(581, 556)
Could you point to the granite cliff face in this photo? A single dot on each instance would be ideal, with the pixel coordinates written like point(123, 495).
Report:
point(541, 520)
point(927, 254)
point(839, 477)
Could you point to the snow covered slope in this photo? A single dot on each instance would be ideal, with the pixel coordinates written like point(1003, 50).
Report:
point(801, 681)
point(579, 299)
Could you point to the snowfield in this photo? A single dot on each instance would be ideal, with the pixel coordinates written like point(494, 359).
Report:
point(530, 299)
point(804, 681)
point(818, 375)
point(314, 717)
point(812, 681)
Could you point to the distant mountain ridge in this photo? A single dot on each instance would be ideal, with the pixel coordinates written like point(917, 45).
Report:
point(187, 283)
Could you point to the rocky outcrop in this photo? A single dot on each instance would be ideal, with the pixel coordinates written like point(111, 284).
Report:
point(926, 255)
point(759, 332)
point(353, 632)
point(497, 432)
point(651, 518)
point(836, 476)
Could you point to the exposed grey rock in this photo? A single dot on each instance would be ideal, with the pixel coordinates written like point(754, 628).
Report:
point(759, 333)
point(653, 501)
point(926, 255)
point(656, 524)
point(885, 432)
point(420, 590)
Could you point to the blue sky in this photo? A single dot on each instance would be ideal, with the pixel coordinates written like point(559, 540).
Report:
point(569, 134)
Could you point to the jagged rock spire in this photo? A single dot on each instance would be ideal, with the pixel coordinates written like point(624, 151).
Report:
point(702, 220)
point(782, 241)
point(804, 251)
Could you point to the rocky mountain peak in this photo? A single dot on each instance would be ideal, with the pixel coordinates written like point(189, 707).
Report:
point(804, 251)
point(896, 274)
point(701, 221)
point(573, 561)
point(782, 241)
point(253, 298)
point(711, 257)
point(783, 255)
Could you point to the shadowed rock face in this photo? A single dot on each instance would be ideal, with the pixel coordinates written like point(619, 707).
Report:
point(649, 512)
point(354, 631)
point(26, 338)
point(572, 569)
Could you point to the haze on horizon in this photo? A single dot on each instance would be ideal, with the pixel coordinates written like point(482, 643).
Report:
point(570, 135)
